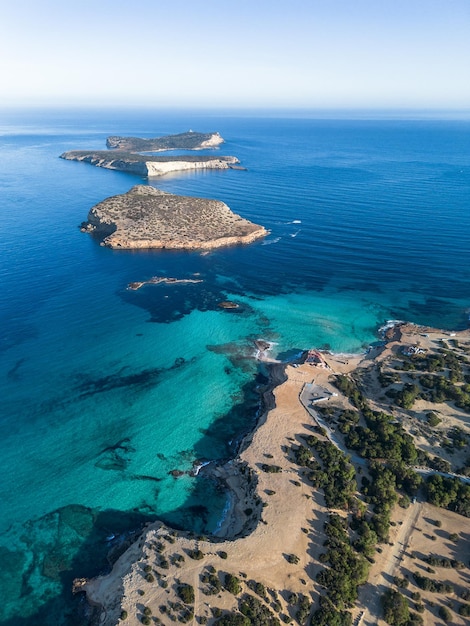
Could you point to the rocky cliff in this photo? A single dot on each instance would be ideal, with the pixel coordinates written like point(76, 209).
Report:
point(148, 165)
point(183, 141)
point(146, 217)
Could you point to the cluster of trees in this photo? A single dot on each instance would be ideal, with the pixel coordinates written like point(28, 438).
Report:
point(395, 608)
point(428, 584)
point(211, 581)
point(442, 361)
point(257, 613)
point(382, 438)
point(328, 615)
point(349, 388)
point(449, 493)
point(347, 569)
point(397, 611)
point(232, 584)
point(186, 593)
point(406, 396)
point(440, 389)
point(441, 561)
point(441, 382)
point(337, 478)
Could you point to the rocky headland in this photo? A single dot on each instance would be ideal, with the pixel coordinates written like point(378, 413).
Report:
point(278, 554)
point(182, 141)
point(149, 166)
point(146, 217)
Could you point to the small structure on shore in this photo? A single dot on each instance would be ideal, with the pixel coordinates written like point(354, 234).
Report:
point(413, 350)
point(315, 358)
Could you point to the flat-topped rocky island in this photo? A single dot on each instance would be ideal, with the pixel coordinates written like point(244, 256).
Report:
point(149, 166)
point(146, 217)
point(182, 141)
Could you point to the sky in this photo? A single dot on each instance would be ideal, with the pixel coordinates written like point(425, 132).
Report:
point(396, 54)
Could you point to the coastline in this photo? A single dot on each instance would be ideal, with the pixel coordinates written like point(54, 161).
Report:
point(269, 515)
point(145, 217)
point(249, 528)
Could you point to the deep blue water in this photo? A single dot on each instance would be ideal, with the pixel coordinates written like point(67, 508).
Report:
point(105, 391)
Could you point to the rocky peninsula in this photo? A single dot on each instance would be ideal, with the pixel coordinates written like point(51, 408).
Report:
point(146, 217)
point(149, 166)
point(182, 141)
point(303, 541)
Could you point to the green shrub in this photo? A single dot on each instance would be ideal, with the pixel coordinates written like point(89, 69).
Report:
point(444, 614)
point(123, 615)
point(186, 593)
point(197, 555)
point(432, 419)
point(292, 558)
point(223, 554)
point(271, 469)
point(232, 584)
point(395, 608)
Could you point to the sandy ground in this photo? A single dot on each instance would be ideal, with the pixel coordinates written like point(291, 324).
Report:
point(416, 535)
point(293, 515)
point(292, 520)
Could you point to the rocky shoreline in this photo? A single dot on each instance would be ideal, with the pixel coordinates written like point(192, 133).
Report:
point(182, 141)
point(235, 476)
point(149, 166)
point(146, 217)
point(271, 539)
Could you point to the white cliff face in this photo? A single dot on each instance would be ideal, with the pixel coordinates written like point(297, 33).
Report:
point(213, 142)
point(159, 168)
point(128, 162)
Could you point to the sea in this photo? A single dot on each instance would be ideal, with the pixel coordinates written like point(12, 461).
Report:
point(110, 397)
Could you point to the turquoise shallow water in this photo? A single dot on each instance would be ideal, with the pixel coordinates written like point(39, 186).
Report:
point(105, 391)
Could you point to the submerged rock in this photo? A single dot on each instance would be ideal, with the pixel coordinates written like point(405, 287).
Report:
point(228, 304)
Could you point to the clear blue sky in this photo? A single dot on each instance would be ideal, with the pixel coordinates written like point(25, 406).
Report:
point(252, 53)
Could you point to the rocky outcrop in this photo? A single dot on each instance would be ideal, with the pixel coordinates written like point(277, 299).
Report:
point(182, 141)
point(146, 217)
point(148, 165)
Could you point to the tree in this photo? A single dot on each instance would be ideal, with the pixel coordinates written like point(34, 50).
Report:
point(395, 607)
point(232, 584)
point(445, 614)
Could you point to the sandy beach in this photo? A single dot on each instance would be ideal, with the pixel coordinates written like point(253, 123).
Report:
point(271, 517)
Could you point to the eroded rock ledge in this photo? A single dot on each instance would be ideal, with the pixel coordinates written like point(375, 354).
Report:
point(146, 217)
point(181, 141)
point(150, 166)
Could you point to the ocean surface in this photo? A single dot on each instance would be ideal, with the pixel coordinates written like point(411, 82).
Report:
point(105, 391)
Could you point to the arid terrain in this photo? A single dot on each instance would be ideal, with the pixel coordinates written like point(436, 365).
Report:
point(267, 552)
point(146, 217)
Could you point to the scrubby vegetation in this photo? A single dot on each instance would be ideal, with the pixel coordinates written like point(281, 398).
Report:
point(347, 569)
point(428, 584)
point(336, 477)
point(257, 613)
point(449, 493)
point(232, 584)
point(185, 593)
point(395, 608)
point(197, 555)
